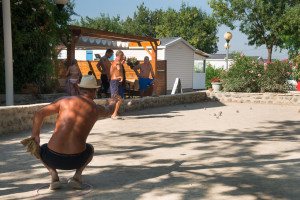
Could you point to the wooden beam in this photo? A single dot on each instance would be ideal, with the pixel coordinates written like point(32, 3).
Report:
point(57, 51)
point(109, 37)
point(145, 47)
point(99, 33)
point(135, 44)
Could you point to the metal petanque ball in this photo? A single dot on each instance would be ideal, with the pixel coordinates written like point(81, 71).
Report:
point(129, 103)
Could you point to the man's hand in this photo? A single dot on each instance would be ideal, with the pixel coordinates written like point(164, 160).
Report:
point(113, 100)
point(120, 79)
point(36, 139)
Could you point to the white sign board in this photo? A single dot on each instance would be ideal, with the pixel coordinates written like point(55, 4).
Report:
point(177, 86)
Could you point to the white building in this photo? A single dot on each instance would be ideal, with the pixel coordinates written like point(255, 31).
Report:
point(219, 60)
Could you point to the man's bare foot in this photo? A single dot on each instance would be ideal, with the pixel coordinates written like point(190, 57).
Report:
point(117, 118)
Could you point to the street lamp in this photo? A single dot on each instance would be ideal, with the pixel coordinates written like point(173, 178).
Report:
point(60, 4)
point(227, 37)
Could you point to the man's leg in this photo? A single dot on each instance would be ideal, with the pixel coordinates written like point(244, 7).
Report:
point(154, 84)
point(78, 173)
point(54, 183)
point(71, 88)
point(142, 93)
point(115, 114)
point(106, 84)
point(53, 173)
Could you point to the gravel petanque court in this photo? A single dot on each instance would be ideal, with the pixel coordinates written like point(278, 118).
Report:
point(207, 150)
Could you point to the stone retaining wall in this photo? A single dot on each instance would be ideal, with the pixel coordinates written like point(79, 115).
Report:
point(25, 99)
point(18, 118)
point(265, 98)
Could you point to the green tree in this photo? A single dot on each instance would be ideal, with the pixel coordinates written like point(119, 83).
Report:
point(292, 39)
point(104, 22)
point(37, 26)
point(190, 23)
point(193, 25)
point(144, 22)
point(263, 21)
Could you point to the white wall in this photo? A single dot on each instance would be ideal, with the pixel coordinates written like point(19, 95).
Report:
point(180, 63)
point(218, 63)
point(139, 53)
point(199, 77)
point(199, 81)
point(199, 57)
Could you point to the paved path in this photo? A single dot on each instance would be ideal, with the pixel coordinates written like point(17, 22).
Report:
point(184, 152)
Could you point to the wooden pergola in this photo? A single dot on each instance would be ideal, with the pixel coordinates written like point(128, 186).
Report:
point(134, 41)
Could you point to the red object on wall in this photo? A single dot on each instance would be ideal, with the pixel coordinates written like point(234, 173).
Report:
point(298, 86)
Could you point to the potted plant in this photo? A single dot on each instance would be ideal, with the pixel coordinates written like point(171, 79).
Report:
point(216, 84)
point(132, 62)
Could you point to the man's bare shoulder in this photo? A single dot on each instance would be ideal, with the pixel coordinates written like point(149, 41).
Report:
point(63, 98)
point(104, 58)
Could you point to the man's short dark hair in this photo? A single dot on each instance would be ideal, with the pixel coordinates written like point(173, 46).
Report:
point(109, 51)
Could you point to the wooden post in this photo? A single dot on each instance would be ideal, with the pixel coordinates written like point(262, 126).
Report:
point(152, 53)
point(154, 57)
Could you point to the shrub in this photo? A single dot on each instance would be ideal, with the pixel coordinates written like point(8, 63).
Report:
point(211, 73)
point(296, 69)
point(275, 76)
point(244, 75)
point(248, 75)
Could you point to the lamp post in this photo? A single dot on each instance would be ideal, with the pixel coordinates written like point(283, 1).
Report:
point(60, 4)
point(227, 37)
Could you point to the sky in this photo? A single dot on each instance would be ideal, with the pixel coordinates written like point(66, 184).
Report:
point(125, 8)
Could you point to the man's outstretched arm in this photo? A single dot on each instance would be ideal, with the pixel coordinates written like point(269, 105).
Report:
point(39, 117)
point(108, 110)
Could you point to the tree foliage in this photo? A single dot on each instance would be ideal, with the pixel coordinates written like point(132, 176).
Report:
point(104, 22)
point(37, 26)
point(292, 38)
point(190, 23)
point(265, 22)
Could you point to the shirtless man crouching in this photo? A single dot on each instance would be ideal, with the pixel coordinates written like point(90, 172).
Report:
point(67, 149)
point(144, 74)
point(116, 74)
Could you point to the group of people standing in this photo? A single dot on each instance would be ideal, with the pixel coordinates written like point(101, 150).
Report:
point(113, 77)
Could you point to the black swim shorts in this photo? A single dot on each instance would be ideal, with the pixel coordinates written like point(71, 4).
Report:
point(105, 83)
point(65, 161)
point(115, 87)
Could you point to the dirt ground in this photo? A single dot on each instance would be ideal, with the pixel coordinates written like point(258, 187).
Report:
point(206, 150)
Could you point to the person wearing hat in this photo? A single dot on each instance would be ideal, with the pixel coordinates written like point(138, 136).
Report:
point(67, 148)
